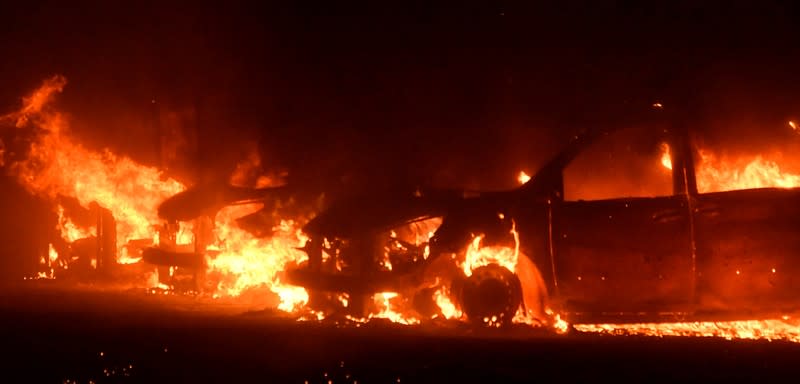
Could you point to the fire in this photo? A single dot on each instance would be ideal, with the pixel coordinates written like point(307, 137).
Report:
point(57, 166)
point(238, 262)
point(69, 230)
point(523, 177)
point(666, 156)
point(507, 257)
point(478, 256)
point(723, 174)
point(772, 329)
point(387, 310)
point(246, 262)
point(446, 306)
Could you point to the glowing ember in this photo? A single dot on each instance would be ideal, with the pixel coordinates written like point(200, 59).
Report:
point(793, 125)
point(771, 329)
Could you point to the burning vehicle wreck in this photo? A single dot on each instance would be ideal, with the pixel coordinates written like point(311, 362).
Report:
point(534, 254)
point(631, 222)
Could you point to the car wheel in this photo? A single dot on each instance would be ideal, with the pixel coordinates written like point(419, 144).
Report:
point(491, 295)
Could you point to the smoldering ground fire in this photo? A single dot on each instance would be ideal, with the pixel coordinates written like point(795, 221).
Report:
point(107, 207)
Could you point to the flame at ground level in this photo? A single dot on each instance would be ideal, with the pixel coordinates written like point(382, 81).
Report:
point(786, 329)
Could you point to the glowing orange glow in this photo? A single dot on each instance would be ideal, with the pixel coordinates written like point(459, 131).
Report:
point(721, 174)
point(246, 262)
point(793, 125)
point(770, 329)
point(478, 256)
point(69, 231)
point(387, 310)
point(666, 156)
point(237, 262)
point(446, 306)
point(559, 325)
point(523, 177)
point(59, 166)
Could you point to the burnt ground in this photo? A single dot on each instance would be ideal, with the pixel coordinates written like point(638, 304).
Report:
point(53, 334)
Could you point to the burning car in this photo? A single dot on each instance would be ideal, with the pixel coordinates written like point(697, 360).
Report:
point(607, 229)
point(523, 254)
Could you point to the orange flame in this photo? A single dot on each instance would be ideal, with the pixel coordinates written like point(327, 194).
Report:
point(716, 174)
point(523, 177)
point(446, 306)
point(246, 262)
point(69, 230)
point(59, 166)
point(387, 310)
point(770, 329)
point(721, 174)
point(477, 256)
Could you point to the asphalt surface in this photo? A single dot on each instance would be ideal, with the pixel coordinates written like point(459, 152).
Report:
point(51, 333)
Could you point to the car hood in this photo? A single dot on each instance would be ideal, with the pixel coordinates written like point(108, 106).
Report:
point(377, 212)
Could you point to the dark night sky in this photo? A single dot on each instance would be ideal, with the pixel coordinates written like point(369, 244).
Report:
point(453, 95)
point(425, 93)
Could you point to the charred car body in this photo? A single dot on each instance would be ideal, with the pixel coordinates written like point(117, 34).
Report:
point(679, 255)
point(666, 256)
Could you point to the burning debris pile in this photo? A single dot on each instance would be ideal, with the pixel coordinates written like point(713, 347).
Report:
point(121, 222)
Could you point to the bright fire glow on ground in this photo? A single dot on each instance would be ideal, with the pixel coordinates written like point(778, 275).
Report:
point(787, 329)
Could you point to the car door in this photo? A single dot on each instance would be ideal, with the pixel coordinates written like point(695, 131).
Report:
point(622, 235)
point(748, 250)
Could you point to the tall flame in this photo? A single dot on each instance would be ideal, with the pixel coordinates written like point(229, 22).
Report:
point(57, 165)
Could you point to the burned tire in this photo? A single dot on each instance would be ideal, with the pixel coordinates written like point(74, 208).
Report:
point(491, 296)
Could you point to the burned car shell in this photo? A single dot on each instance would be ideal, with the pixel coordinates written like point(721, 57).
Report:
point(686, 255)
point(720, 255)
